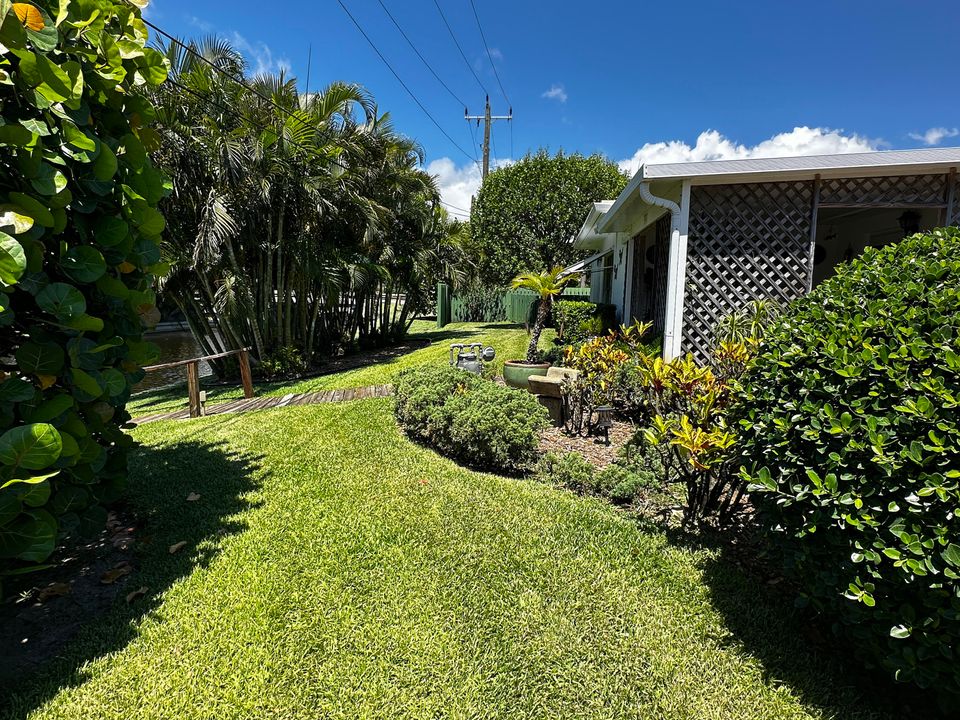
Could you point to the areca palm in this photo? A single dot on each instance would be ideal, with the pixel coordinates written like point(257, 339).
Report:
point(300, 220)
point(547, 285)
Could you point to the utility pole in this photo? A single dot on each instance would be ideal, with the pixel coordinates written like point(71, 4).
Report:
point(487, 120)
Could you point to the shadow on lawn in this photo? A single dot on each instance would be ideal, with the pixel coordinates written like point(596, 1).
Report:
point(177, 392)
point(795, 648)
point(161, 479)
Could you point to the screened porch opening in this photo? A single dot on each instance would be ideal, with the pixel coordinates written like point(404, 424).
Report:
point(844, 233)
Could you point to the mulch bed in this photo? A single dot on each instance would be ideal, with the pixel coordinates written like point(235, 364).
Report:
point(42, 611)
point(594, 449)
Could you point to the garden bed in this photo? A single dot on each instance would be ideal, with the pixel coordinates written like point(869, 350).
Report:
point(599, 453)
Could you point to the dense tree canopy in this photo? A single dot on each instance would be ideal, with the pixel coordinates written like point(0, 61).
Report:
point(525, 213)
point(297, 220)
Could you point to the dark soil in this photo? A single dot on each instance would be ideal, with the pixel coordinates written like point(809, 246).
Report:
point(42, 611)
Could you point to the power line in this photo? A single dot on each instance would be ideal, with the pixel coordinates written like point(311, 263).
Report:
point(237, 79)
point(462, 54)
point(489, 56)
point(400, 80)
point(233, 111)
point(454, 207)
point(419, 55)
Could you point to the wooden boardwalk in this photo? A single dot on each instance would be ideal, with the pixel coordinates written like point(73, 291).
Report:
point(263, 403)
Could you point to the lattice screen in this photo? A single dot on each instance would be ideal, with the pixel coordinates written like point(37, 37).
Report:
point(745, 242)
point(891, 191)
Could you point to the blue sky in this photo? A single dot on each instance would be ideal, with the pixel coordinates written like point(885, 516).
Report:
point(634, 80)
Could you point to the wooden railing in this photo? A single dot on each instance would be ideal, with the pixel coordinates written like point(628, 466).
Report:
point(193, 375)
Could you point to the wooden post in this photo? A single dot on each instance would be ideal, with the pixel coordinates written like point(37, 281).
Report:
point(193, 388)
point(245, 374)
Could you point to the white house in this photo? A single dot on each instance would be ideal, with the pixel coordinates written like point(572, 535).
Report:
point(686, 244)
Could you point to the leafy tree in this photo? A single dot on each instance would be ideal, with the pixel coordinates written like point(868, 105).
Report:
point(547, 285)
point(526, 213)
point(79, 254)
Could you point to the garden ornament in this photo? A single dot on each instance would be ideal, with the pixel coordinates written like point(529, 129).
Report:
point(471, 357)
point(604, 421)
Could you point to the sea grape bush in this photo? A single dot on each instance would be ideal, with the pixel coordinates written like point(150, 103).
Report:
point(79, 253)
point(850, 440)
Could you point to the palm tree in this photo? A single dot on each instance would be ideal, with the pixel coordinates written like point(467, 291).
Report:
point(302, 221)
point(546, 284)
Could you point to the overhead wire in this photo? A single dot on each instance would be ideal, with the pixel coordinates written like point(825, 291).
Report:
point(419, 55)
point(432, 71)
point(489, 55)
point(402, 83)
point(236, 78)
point(462, 54)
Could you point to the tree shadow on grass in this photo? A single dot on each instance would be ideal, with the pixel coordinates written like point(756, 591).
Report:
point(160, 516)
point(795, 647)
point(175, 395)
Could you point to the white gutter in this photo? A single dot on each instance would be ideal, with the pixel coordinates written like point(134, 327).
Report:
point(677, 267)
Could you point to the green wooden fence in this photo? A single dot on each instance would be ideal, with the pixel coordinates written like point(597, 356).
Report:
point(515, 306)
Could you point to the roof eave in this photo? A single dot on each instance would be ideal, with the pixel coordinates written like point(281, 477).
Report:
point(587, 238)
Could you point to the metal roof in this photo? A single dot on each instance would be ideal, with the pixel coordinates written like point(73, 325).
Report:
point(803, 164)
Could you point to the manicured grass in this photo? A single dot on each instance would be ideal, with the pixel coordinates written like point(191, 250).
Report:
point(510, 342)
point(333, 569)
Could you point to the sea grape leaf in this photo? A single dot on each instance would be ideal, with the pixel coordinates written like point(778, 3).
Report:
point(32, 447)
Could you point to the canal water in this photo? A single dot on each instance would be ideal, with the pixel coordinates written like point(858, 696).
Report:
point(177, 345)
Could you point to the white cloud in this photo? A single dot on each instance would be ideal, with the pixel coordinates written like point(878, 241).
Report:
point(259, 56)
point(711, 145)
point(556, 92)
point(934, 136)
point(458, 185)
point(199, 23)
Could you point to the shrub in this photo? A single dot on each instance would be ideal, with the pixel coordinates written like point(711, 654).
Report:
point(490, 426)
point(79, 252)
point(578, 321)
point(480, 305)
point(418, 392)
point(851, 443)
point(284, 362)
point(598, 362)
point(572, 471)
point(567, 470)
point(622, 484)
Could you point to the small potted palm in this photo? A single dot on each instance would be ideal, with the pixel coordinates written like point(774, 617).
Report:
point(547, 285)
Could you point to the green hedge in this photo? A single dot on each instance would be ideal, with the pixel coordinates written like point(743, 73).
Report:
point(478, 305)
point(577, 320)
point(851, 441)
point(418, 392)
point(472, 420)
point(79, 252)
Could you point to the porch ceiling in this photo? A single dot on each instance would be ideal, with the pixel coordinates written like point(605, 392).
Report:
point(631, 214)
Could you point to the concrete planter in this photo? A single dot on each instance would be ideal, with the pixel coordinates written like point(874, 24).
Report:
point(516, 372)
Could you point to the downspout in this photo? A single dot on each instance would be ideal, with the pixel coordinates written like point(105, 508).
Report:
point(676, 272)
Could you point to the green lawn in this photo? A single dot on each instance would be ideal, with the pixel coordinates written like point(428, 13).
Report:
point(336, 570)
point(510, 342)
